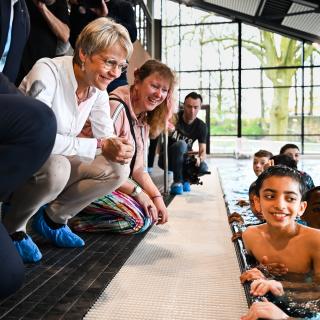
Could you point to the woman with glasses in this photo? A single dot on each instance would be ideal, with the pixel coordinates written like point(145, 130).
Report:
point(80, 169)
point(138, 112)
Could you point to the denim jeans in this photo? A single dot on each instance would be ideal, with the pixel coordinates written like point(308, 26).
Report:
point(175, 159)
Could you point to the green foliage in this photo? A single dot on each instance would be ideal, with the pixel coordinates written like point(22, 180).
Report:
point(229, 127)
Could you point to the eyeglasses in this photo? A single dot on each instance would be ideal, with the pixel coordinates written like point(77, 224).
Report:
point(112, 64)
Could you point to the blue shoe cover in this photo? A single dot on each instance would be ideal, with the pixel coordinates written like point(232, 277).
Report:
point(62, 237)
point(186, 186)
point(28, 250)
point(176, 188)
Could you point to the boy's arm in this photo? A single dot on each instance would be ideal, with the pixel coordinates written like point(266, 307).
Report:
point(315, 251)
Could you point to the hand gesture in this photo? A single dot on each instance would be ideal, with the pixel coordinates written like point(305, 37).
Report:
point(117, 150)
point(148, 206)
point(264, 310)
point(252, 274)
point(274, 268)
point(235, 217)
point(262, 286)
point(162, 210)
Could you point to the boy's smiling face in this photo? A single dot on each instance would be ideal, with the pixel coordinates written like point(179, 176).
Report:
point(280, 200)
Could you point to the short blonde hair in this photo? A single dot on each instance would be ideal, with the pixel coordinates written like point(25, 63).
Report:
point(101, 34)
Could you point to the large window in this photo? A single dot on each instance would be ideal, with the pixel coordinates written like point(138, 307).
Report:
point(268, 97)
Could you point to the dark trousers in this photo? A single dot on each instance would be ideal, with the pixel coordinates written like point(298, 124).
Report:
point(176, 161)
point(27, 134)
point(152, 151)
point(11, 266)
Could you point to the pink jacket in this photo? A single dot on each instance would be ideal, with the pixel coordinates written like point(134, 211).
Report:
point(122, 126)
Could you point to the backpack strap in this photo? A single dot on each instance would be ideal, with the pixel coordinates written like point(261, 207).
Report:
point(115, 116)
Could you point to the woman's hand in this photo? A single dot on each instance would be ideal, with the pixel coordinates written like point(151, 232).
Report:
point(148, 206)
point(262, 286)
point(264, 310)
point(162, 210)
point(252, 274)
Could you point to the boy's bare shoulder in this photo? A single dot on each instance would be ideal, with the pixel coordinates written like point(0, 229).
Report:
point(253, 231)
point(310, 234)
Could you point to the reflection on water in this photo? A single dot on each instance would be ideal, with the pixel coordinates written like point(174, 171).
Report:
point(302, 298)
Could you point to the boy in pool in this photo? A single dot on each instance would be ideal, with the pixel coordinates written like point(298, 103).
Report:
point(312, 214)
point(260, 159)
point(293, 151)
point(281, 240)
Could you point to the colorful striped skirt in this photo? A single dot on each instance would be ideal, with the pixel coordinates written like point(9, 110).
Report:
point(115, 212)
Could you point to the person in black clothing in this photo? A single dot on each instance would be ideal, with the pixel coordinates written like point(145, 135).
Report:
point(27, 133)
point(188, 129)
point(49, 21)
point(119, 10)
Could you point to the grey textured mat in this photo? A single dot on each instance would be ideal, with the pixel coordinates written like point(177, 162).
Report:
point(186, 269)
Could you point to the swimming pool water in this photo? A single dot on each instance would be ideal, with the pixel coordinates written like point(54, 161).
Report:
point(236, 177)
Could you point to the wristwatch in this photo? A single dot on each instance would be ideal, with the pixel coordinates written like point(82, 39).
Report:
point(137, 190)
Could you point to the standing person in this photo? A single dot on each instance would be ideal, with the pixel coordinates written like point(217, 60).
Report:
point(73, 176)
point(138, 111)
point(25, 144)
point(121, 11)
point(49, 21)
point(188, 129)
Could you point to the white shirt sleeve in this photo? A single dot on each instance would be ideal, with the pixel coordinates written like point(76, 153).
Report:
point(101, 122)
point(45, 84)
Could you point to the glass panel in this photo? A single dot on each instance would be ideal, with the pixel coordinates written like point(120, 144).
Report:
point(171, 51)
point(312, 76)
point(274, 111)
point(250, 145)
point(226, 145)
point(170, 13)
point(224, 79)
point(267, 49)
point(312, 111)
point(223, 106)
point(191, 15)
point(193, 80)
point(312, 145)
point(204, 51)
point(312, 54)
point(271, 78)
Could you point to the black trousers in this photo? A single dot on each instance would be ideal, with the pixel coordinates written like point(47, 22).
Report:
point(27, 134)
point(11, 266)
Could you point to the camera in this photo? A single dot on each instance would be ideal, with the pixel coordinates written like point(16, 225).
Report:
point(90, 3)
point(191, 172)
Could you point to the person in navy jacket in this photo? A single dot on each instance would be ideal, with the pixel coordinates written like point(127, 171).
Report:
point(27, 132)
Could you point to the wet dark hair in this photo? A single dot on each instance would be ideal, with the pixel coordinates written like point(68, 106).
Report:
point(281, 171)
point(308, 194)
point(263, 153)
point(193, 95)
point(284, 160)
point(288, 146)
point(252, 188)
